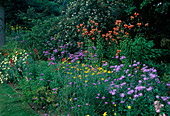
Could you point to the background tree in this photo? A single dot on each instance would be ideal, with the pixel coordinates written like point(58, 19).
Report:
point(2, 23)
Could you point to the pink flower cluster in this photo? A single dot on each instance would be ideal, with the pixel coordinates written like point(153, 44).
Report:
point(158, 107)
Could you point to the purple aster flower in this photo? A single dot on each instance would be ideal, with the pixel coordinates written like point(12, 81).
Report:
point(87, 104)
point(117, 57)
point(145, 78)
point(135, 96)
point(75, 98)
point(111, 66)
point(122, 95)
point(41, 79)
point(57, 104)
point(55, 92)
point(72, 107)
point(152, 76)
point(106, 102)
point(78, 105)
point(129, 65)
point(168, 103)
point(52, 58)
point(163, 98)
point(140, 94)
point(128, 89)
point(150, 88)
point(103, 97)
point(52, 38)
point(112, 92)
point(94, 83)
point(98, 94)
point(97, 97)
point(168, 84)
point(134, 64)
point(99, 83)
point(106, 80)
point(123, 84)
point(130, 92)
point(117, 86)
point(67, 85)
point(30, 73)
point(129, 75)
point(54, 89)
point(105, 64)
point(157, 96)
point(113, 103)
point(41, 74)
point(140, 81)
point(122, 102)
point(45, 114)
point(70, 83)
point(30, 78)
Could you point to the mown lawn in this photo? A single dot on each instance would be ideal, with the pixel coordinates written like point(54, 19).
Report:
point(13, 106)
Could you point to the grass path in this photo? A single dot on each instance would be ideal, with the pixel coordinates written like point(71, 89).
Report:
point(11, 105)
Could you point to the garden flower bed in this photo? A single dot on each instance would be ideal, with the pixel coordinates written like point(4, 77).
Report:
point(84, 83)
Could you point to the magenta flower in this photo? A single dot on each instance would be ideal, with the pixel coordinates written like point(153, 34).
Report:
point(122, 95)
point(157, 96)
point(54, 89)
point(150, 88)
point(41, 79)
point(87, 104)
point(103, 97)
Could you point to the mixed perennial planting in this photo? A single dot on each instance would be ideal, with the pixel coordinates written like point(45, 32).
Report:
point(102, 78)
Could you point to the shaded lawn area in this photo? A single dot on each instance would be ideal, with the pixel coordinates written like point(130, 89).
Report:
point(13, 106)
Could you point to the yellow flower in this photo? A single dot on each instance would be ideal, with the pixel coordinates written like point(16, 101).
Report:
point(114, 104)
point(102, 79)
point(69, 63)
point(78, 62)
point(85, 75)
point(80, 78)
point(86, 81)
point(86, 68)
point(129, 97)
point(109, 71)
point(105, 71)
point(105, 114)
point(71, 67)
point(87, 115)
point(114, 113)
point(129, 107)
point(63, 67)
point(74, 77)
point(78, 69)
point(113, 110)
point(79, 75)
point(82, 65)
point(67, 72)
point(92, 73)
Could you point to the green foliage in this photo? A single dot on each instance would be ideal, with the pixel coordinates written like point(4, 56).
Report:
point(82, 12)
point(39, 35)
